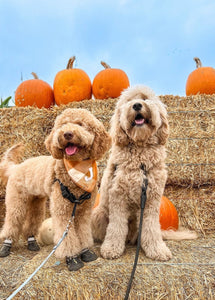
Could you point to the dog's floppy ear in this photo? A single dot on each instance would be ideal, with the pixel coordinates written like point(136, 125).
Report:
point(118, 135)
point(102, 141)
point(49, 143)
point(163, 130)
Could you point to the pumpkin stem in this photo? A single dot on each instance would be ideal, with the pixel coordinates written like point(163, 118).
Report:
point(198, 62)
point(70, 62)
point(35, 75)
point(106, 66)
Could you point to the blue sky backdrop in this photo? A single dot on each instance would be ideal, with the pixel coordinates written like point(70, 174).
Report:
point(154, 41)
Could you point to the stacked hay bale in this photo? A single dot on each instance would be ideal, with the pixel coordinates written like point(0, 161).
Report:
point(190, 159)
point(191, 142)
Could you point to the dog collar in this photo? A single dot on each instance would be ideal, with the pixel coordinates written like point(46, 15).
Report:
point(83, 173)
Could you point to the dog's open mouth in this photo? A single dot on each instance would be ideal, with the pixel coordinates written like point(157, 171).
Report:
point(71, 149)
point(139, 120)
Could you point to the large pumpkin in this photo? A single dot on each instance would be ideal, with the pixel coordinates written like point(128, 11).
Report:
point(201, 80)
point(109, 83)
point(71, 85)
point(168, 214)
point(34, 92)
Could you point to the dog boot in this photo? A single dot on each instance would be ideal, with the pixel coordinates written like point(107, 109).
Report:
point(32, 244)
point(88, 255)
point(74, 263)
point(5, 249)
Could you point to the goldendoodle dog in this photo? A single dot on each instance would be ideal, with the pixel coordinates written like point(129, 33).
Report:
point(139, 130)
point(67, 177)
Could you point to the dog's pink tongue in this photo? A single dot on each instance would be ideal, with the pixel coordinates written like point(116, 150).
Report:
point(139, 121)
point(71, 150)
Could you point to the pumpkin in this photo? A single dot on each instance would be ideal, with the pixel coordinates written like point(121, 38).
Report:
point(34, 92)
point(71, 85)
point(168, 216)
point(109, 83)
point(201, 80)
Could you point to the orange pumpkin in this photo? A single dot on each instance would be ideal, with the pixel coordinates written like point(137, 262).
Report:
point(201, 80)
point(34, 92)
point(71, 85)
point(168, 214)
point(109, 83)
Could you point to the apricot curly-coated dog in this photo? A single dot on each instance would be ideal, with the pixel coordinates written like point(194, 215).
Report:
point(139, 130)
point(69, 175)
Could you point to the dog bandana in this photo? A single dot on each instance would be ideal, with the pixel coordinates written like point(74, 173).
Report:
point(83, 173)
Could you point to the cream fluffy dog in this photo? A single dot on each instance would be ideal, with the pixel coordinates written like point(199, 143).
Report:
point(139, 129)
point(77, 137)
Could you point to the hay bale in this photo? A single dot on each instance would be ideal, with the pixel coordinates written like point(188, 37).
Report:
point(190, 147)
point(195, 206)
point(188, 275)
point(191, 272)
point(190, 103)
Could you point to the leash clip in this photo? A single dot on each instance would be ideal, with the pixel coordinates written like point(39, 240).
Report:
point(70, 196)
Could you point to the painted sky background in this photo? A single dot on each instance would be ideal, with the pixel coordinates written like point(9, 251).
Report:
point(154, 41)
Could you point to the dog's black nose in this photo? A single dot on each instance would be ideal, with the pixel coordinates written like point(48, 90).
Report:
point(68, 135)
point(137, 106)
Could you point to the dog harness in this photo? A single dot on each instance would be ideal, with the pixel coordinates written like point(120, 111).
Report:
point(71, 197)
point(84, 175)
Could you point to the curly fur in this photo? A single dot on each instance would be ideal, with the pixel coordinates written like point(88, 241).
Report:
point(139, 130)
point(31, 183)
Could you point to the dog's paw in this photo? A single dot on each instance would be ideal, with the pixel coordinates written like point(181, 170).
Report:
point(158, 252)
point(110, 250)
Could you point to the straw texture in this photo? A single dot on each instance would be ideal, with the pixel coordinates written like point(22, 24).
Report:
point(190, 186)
point(190, 159)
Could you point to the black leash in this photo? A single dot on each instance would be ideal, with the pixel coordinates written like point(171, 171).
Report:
point(142, 206)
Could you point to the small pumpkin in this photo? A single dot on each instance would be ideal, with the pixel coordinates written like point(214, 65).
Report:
point(168, 216)
point(71, 84)
point(34, 92)
point(201, 80)
point(109, 83)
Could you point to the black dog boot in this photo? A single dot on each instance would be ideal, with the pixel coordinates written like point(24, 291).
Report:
point(88, 255)
point(5, 249)
point(32, 244)
point(74, 263)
